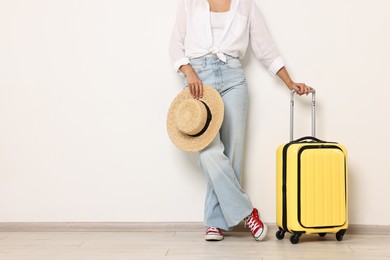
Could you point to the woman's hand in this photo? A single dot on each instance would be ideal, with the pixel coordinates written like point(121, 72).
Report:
point(194, 83)
point(300, 88)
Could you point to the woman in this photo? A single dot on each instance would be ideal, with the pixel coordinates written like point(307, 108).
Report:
point(208, 41)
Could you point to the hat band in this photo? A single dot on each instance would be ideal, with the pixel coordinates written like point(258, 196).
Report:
point(208, 120)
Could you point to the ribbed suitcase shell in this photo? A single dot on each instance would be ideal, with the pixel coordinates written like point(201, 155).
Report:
point(312, 188)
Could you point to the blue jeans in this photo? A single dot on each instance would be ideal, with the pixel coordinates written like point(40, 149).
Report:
point(227, 204)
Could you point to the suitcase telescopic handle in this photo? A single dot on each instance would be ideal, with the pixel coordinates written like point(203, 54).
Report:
point(313, 114)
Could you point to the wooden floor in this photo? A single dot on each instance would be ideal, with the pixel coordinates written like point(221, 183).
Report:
point(181, 244)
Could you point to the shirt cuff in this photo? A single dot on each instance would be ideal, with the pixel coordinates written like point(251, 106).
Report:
point(180, 62)
point(276, 65)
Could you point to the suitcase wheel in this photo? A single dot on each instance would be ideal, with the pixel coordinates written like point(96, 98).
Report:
point(340, 234)
point(294, 239)
point(280, 234)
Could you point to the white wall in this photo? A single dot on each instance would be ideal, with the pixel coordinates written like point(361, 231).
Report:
point(85, 87)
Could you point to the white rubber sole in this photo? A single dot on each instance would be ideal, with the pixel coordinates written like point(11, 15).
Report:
point(213, 237)
point(263, 234)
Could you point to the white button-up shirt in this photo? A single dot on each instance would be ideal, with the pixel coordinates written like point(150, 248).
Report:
point(192, 35)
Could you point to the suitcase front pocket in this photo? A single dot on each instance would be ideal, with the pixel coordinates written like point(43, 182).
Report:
point(321, 186)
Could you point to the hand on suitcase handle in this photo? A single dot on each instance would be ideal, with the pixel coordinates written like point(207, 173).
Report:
point(313, 91)
point(300, 88)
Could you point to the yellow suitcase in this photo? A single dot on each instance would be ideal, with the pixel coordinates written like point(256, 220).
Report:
point(311, 185)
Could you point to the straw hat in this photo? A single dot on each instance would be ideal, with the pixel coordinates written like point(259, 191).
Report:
point(192, 124)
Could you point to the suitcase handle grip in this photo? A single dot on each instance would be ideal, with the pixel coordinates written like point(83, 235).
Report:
point(313, 114)
point(309, 138)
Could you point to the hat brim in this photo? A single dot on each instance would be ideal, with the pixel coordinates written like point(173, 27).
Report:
point(189, 143)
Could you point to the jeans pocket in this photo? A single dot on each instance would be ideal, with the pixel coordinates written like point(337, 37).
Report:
point(233, 63)
point(198, 64)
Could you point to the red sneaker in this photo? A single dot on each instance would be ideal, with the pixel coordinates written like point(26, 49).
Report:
point(258, 228)
point(213, 234)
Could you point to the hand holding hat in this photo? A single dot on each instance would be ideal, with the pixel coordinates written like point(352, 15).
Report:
point(192, 124)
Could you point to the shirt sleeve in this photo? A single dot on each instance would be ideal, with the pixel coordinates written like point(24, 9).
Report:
point(176, 46)
point(262, 43)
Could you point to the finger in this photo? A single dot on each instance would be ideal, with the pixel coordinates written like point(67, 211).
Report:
point(307, 90)
point(192, 90)
point(196, 91)
point(303, 89)
point(201, 90)
point(299, 89)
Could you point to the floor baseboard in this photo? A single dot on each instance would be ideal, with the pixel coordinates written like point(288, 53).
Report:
point(150, 227)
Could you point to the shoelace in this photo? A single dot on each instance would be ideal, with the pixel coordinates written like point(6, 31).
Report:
point(253, 221)
point(213, 229)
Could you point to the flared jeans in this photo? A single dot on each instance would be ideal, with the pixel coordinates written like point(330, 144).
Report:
point(227, 204)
